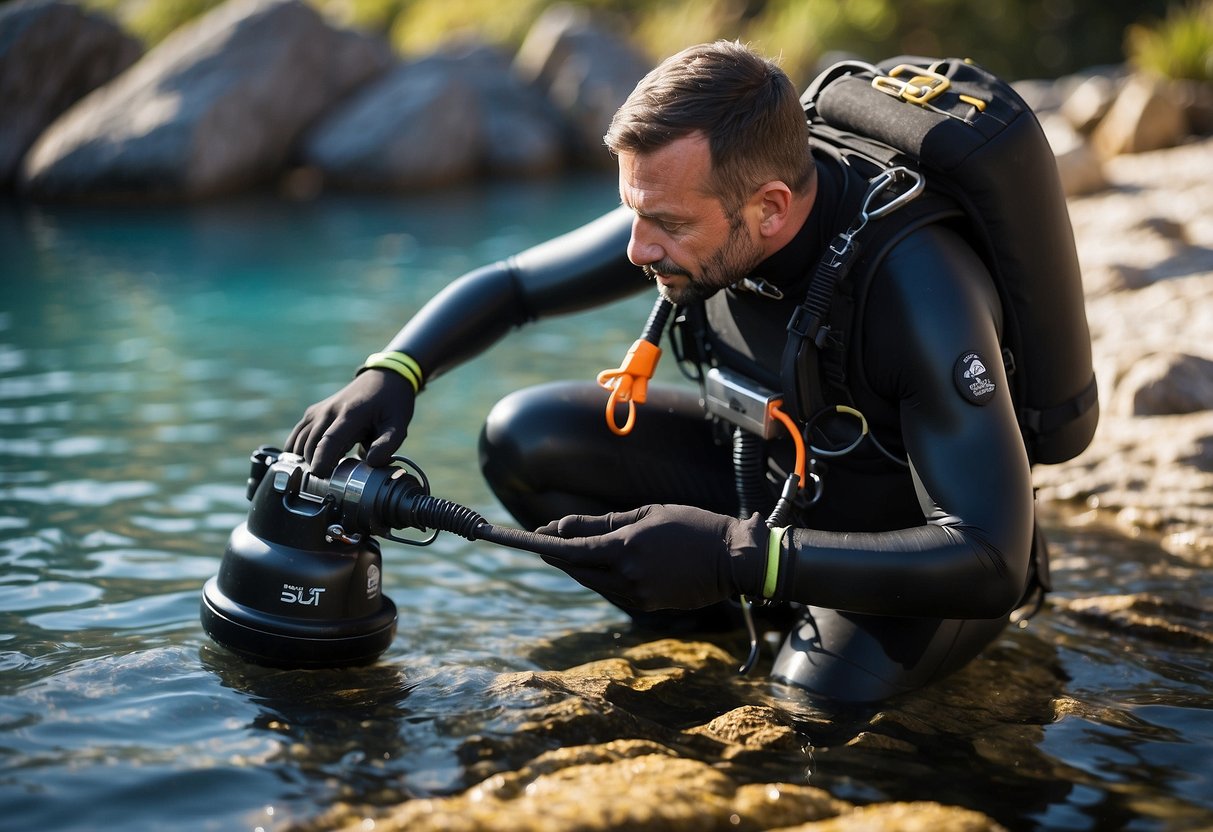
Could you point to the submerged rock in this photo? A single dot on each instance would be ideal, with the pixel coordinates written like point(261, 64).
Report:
point(1146, 617)
point(629, 784)
point(664, 735)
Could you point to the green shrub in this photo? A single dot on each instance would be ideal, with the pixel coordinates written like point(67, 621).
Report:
point(1018, 38)
point(1179, 47)
point(152, 20)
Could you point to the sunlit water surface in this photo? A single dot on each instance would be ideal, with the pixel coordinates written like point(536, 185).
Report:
point(145, 352)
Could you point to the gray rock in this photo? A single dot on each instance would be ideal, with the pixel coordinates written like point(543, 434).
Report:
point(1081, 171)
point(1040, 94)
point(1089, 102)
point(445, 118)
point(586, 71)
point(1145, 116)
point(215, 107)
point(523, 133)
point(418, 126)
point(1166, 383)
point(52, 54)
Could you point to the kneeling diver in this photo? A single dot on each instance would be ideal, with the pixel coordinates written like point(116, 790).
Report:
point(918, 546)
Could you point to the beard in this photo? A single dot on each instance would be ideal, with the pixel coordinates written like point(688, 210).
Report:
point(735, 259)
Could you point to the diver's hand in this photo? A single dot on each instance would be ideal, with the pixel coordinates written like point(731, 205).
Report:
point(373, 410)
point(661, 557)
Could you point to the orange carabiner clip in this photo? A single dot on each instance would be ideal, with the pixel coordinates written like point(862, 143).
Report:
point(630, 383)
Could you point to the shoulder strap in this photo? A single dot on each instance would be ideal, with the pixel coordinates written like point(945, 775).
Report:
point(810, 324)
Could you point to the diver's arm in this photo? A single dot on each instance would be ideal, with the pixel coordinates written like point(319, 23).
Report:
point(969, 559)
point(579, 270)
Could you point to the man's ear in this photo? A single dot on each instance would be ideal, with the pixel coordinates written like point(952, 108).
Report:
point(774, 202)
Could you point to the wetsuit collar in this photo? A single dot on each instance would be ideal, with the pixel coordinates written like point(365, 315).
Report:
point(785, 270)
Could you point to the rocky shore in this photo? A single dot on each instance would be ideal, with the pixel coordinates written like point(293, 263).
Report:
point(1146, 248)
point(264, 93)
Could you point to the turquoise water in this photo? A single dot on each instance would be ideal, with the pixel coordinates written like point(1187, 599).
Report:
point(145, 352)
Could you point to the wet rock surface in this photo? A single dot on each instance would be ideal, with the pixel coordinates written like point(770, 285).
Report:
point(664, 735)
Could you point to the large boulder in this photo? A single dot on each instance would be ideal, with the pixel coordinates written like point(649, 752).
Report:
point(51, 55)
point(215, 107)
point(1078, 166)
point(1145, 116)
point(415, 127)
point(441, 119)
point(585, 69)
point(522, 131)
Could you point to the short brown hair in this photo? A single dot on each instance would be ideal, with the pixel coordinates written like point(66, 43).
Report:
point(742, 102)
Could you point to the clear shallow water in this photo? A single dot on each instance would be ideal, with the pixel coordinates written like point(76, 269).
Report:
point(145, 352)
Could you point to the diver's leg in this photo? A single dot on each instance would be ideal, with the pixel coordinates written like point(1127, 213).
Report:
point(865, 658)
point(547, 452)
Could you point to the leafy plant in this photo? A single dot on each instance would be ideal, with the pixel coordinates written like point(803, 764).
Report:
point(1179, 47)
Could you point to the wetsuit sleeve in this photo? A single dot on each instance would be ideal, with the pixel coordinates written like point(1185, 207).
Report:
point(579, 270)
point(969, 558)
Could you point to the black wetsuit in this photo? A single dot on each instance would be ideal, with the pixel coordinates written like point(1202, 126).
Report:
point(905, 569)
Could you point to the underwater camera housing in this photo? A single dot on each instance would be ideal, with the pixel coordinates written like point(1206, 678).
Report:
point(300, 582)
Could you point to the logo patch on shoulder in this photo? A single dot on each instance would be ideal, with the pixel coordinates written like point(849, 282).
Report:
point(973, 379)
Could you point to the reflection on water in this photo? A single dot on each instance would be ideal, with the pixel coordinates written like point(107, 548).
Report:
point(144, 354)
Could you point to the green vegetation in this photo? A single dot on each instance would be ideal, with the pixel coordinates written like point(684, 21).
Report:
point(152, 20)
point(1019, 38)
point(1180, 46)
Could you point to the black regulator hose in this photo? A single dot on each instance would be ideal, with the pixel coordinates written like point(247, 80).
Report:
point(749, 473)
point(404, 504)
point(655, 325)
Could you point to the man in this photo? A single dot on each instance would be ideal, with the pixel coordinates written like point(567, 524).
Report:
point(915, 550)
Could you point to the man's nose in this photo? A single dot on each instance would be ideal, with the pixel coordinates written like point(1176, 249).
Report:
point(643, 246)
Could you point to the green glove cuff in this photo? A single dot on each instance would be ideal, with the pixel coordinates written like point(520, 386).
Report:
point(774, 550)
point(397, 362)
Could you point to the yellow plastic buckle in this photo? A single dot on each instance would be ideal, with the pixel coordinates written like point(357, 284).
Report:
point(920, 88)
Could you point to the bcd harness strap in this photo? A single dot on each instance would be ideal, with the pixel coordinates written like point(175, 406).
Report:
point(809, 327)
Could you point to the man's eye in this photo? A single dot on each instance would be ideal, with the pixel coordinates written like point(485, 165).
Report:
point(671, 227)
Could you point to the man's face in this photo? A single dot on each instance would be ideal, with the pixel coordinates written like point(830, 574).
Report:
point(681, 235)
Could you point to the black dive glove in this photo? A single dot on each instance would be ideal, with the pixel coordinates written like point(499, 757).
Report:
point(373, 410)
point(661, 557)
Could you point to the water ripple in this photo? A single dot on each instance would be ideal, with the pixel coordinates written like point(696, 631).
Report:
point(42, 595)
point(149, 614)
